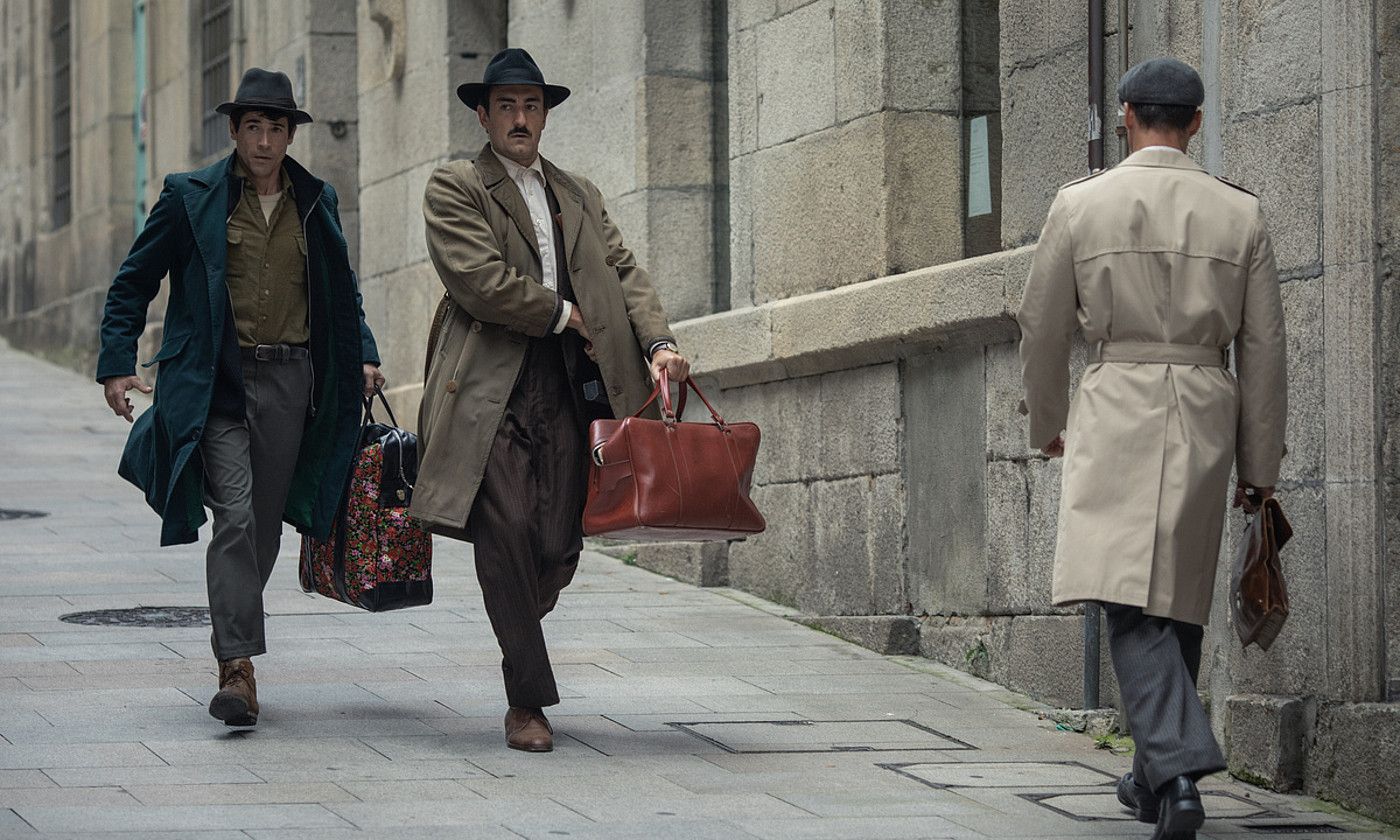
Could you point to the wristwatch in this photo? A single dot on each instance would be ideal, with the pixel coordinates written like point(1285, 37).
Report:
point(664, 345)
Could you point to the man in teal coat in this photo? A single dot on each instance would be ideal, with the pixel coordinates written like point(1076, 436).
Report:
point(264, 362)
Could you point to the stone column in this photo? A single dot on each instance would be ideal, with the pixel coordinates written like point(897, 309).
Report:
point(1355, 575)
point(1388, 221)
point(315, 45)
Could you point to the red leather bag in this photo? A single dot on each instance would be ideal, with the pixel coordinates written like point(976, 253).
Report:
point(669, 480)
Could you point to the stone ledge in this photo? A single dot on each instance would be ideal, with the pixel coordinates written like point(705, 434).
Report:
point(1268, 738)
point(699, 563)
point(887, 634)
point(968, 302)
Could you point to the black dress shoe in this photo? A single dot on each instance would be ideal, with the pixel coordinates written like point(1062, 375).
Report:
point(1180, 811)
point(1137, 798)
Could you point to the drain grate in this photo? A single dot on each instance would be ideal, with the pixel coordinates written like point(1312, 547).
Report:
point(142, 617)
point(1297, 828)
point(7, 514)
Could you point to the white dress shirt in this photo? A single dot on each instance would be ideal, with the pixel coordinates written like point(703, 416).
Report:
point(530, 181)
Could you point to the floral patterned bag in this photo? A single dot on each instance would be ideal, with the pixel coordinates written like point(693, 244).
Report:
point(378, 557)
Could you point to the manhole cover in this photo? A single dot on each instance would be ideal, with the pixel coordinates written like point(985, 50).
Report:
point(142, 617)
point(812, 736)
point(7, 514)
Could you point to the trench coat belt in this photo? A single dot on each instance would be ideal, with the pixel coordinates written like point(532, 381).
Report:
point(1151, 352)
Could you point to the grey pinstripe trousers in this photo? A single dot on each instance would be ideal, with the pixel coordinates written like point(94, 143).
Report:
point(1157, 661)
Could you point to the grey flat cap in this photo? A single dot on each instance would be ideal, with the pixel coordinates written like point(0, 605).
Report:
point(1162, 81)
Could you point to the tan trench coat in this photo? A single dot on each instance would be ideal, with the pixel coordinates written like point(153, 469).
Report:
point(1154, 250)
point(482, 242)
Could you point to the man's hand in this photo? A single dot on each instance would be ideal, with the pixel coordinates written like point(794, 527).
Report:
point(116, 388)
point(373, 379)
point(677, 367)
point(1055, 448)
point(1251, 498)
point(577, 324)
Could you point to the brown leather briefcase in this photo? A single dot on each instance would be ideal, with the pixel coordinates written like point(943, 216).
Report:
point(1258, 596)
point(669, 480)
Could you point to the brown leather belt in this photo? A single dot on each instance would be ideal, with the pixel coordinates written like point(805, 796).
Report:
point(1155, 353)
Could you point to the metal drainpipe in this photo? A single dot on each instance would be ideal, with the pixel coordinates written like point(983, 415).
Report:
point(1124, 27)
point(1093, 642)
point(1096, 29)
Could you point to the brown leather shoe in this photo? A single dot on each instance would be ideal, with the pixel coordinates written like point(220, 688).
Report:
point(528, 730)
point(236, 704)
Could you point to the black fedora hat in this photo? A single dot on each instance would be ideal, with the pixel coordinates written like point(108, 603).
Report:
point(512, 66)
point(265, 90)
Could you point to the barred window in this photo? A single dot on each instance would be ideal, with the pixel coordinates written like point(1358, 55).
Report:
point(60, 30)
point(216, 27)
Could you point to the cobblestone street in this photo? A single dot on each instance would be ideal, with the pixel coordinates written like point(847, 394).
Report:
point(686, 713)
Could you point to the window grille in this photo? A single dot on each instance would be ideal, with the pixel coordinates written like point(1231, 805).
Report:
point(215, 30)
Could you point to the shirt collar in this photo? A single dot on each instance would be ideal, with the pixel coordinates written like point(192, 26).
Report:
point(517, 172)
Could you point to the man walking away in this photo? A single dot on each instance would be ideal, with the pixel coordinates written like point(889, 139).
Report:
point(1162, 267)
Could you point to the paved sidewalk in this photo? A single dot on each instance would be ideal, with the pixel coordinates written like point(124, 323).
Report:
point(687, 713)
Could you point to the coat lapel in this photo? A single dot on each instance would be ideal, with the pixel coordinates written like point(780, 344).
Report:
point(506, 194)
point(570, 207)
point(208, 214)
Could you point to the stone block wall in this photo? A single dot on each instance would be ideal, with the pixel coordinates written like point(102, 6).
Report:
point(843, 160)
point(59, 315)
point(53, 278)
point(412, 56)
point(640, 123)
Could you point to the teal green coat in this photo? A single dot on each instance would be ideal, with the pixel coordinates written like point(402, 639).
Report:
point(185, 237)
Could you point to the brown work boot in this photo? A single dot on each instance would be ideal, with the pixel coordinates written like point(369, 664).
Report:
point(528, 730)
point(236, 704)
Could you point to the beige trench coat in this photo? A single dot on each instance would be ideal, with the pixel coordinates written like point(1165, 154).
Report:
point(1154, 250)
point(482, 242)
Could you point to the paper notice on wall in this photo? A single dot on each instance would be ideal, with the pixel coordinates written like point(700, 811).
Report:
point(979, 170)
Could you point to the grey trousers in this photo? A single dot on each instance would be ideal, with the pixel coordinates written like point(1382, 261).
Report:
point(248, 467)
point(1157, 661)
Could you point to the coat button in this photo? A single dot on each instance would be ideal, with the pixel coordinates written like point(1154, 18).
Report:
point(451, 386)
point(476, 326)
point(611, 260)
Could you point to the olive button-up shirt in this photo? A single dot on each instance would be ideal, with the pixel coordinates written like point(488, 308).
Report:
point(266, 268)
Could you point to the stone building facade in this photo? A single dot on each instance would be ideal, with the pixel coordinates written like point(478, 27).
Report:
point(839, 200)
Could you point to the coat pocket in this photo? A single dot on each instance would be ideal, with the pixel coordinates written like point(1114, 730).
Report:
point(169, 348)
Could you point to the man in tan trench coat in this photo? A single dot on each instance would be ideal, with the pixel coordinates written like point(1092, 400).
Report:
point(1161, 267)
point(547, 324)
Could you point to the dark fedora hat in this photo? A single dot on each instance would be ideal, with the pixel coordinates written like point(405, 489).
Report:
point(265, 90)
point(512, 66)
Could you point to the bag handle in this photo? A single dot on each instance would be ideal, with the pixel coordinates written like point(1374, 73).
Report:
point(369, 408)
point(662, 389)
point(393, 421)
